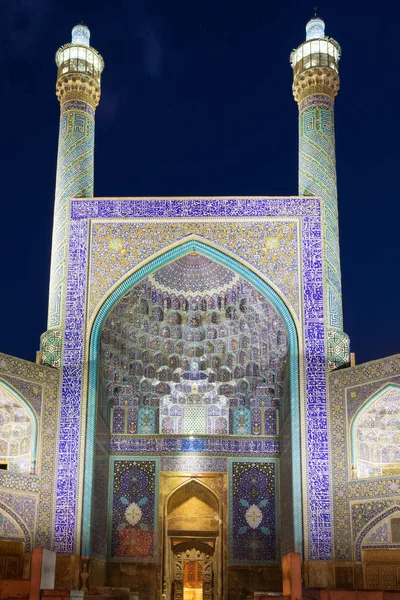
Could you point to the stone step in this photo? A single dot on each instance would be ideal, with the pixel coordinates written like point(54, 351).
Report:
point(113, 596)
point(108, 591)
point(103, 593)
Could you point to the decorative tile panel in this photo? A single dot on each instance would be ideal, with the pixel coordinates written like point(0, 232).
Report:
point(270, 246)
point(214, 446)
point(193, 464)
point(134, 518)
point(253, 534)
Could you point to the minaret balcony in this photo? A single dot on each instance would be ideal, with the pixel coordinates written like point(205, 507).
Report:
point(315, 53)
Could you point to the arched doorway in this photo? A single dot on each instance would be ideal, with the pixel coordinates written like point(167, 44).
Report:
point(192, 541)
point(193, 570)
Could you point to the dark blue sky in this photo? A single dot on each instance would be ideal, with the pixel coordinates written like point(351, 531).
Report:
point(196, 100)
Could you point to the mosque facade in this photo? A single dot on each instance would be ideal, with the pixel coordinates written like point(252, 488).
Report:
point(195, 414)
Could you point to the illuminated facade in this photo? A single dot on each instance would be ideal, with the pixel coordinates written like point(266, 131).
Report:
point(189, 423)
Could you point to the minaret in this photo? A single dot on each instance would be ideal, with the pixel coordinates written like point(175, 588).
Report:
point(315, 85)
point(78, 90)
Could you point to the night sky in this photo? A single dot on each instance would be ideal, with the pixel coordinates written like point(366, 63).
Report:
point(197, 100)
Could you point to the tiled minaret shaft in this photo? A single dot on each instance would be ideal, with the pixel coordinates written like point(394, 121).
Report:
point(315, 85)
point(78, 90)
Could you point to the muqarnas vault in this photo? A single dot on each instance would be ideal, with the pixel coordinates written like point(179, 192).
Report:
point(194, 415)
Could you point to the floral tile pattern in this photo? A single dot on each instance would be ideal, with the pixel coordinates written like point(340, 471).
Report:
point(252, 512)
point(134, 509)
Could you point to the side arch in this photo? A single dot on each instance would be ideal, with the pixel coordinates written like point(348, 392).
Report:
point(20, 523)
point(32, 414)
point(381, 517)
point(185, 247)
point(356, 419)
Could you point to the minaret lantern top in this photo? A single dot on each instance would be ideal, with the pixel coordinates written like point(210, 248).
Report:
point(81, 35)
point(315, 29)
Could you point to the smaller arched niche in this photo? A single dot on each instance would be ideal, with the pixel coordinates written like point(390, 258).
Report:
point(378, 548)
point(193, 507)
point(385, 533)
point(17, 432)
point(376, 435)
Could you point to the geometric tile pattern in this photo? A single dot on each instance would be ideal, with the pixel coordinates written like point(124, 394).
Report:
point(357, 502)
point(50, 348)
point(193, 274)
point(22, 510)
point(184, 217)
point(74, 179)
point(338, 349)
point(101, 490)
point(133, 519)
point(252, 511)
point(379, 535)
point(317, 177)
point(270, 245)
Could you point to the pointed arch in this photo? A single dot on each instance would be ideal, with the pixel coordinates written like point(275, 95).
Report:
point(185, 246)
point(358, 415)
point(375, 521)
point(191, 481)
point(20, 523)
point(17, 396)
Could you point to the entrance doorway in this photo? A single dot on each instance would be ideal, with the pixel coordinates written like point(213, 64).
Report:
point(193, 570)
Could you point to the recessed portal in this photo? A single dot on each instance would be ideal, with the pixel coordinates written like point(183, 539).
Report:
point(193, 575)
point(196, 350)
